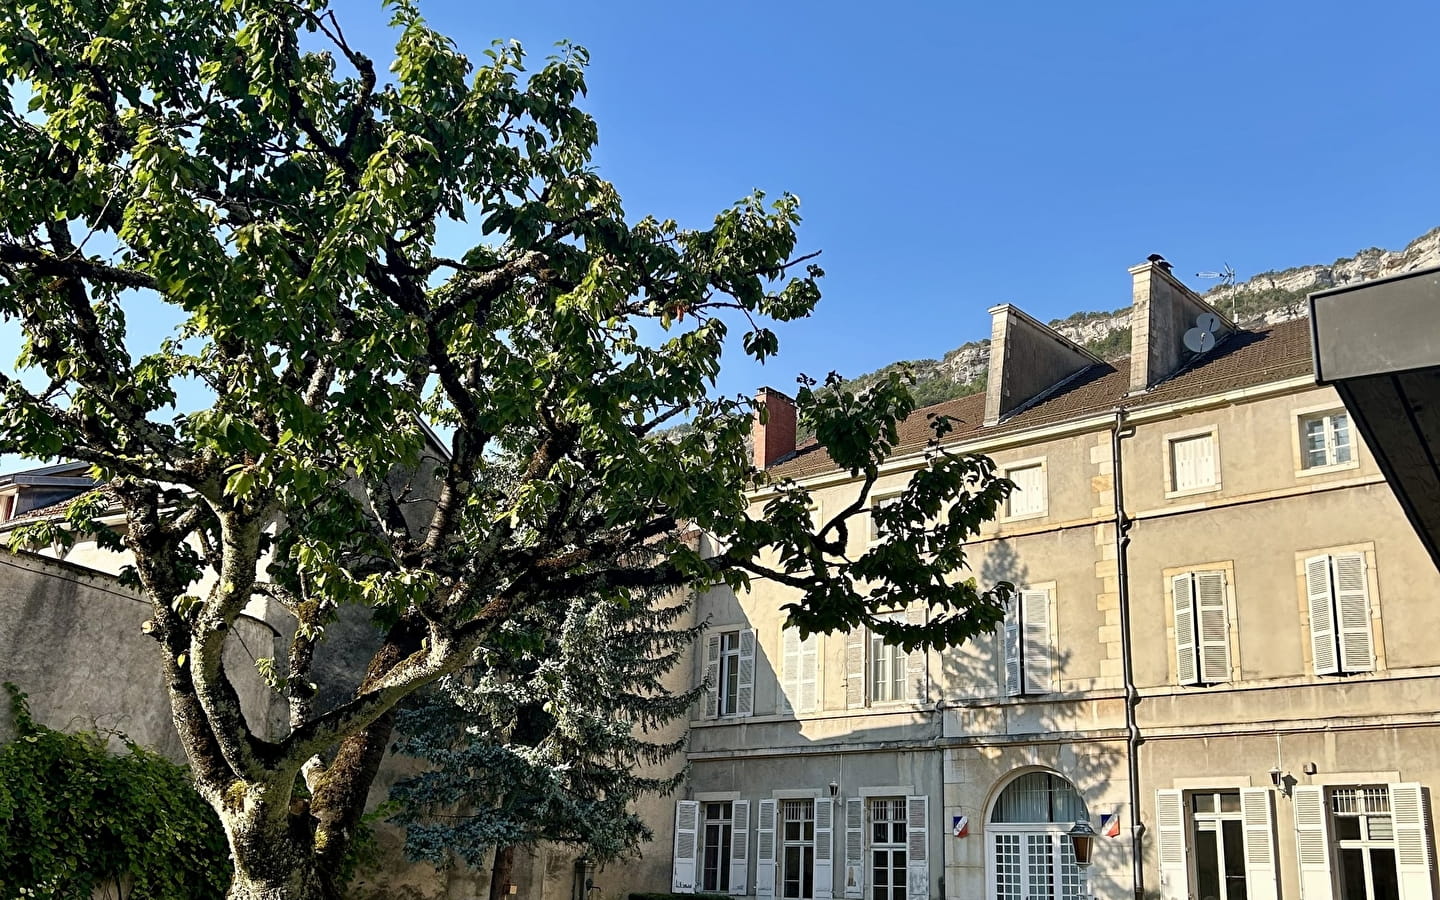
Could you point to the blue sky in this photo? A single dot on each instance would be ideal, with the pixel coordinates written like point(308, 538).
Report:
point(950, 156)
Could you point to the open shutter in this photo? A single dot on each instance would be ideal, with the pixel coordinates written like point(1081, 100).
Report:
point(854, 848)
point(1214, 630)
point(916, 671)
point(1413, 856)
point(855, 666)
point(810, 674)
point(739, 846)
point(1312, 840)
point(917, 846)
point(1036, 633)
point(1258, 815)
point(765, 850)
point(1170, 844)
point(1322, 615)
point(1182, 589)
point(790, 664)
point(687, 832)
point(712, 676)
point(745, 690)
point(824, 849)
point(1013, 687)
point(1352, 608)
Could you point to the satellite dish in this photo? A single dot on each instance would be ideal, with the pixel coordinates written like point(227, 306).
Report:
point(1208, 322)
point(1204, 336)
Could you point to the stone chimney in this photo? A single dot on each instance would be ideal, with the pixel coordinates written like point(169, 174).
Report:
point(1026, 360)
point(1163, 310)
point(773, 430)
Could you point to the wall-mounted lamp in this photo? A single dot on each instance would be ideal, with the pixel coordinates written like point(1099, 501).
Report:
point(1082, 840)
point(1282, 780)
point(834, 790)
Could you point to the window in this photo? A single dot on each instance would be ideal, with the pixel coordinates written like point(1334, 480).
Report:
point(1028, 646)
point(7, 507)
point(1030, 854)
point(800, 687)
point(1219, 844)
point(1364, 835)
point(888, 666)
point(715, 847)
point(1194, 465)
point(1338, 598)
point(730, 670)
point(877, 672)
point(1363, 842)
point(1325, 440)
point(797, 849)
point(888, 867)
point(1028, 498)
point(874, 535)
point(1202, 628)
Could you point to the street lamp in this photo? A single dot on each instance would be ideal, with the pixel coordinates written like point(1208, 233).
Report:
point(1082, 839)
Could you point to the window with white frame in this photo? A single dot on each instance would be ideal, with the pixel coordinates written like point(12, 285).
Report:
point(889, 665)
point(1028, 498)
point(1202, 627)
point(1030, 855)
point(888, 843)
point(797, 849)
point(730, 670)
point(874, 535)
point(1363, 842)
point(715, 846)
point(1194, 465)
point(1028, 643)
point(1325, 440)
point(1217, 843)
point(1337, 590)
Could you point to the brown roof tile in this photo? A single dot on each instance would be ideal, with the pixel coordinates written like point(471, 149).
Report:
point(1244, 359)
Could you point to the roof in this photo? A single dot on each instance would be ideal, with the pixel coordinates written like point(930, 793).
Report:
point(1244, 359)
point(112, 503)
point(59, 470)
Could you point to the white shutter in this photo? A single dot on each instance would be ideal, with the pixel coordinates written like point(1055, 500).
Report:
point(745, 691)
point(712, 676)
point(1322, 615)
point(854, 848)
point(687, 832)
point(739, 846)
point(916, 670)
point(1312, 840)
point(810, 674)
point(1214, 630)
point(1013, 687)
point(855, 666)
point(1182, 588)
point(1352, 607)
point(1194, 462)
point(1170, 844)
point(1036, 634)
point(1028, 497)
point(1258, 815)
point(824, 849)
point(917, 847)
point(765, 850)
point(1413, 857)
point(790, 664)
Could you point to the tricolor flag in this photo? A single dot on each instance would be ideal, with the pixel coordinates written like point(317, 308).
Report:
point(1110, 824)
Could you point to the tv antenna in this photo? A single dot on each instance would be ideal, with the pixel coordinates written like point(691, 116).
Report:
point(1227, 279)
point(1205, 335)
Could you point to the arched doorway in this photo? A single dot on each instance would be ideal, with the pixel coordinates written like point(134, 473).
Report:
point(1028, 854)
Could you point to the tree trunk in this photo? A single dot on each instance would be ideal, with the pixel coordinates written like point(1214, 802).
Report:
point(270, 863)
point(500, 872)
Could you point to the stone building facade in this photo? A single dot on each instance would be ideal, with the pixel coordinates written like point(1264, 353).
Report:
point(1272, 733)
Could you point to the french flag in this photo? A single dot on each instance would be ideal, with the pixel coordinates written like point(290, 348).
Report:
point(1110, 824)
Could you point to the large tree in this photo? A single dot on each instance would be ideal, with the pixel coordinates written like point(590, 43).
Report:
point(283, 200)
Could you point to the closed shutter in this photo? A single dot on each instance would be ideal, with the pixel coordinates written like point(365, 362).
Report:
point(765, 849)
point(790, 665)
point(824, 849)
point(1258, 815)
point(1322, 615)
point(1028, 497)
point(1194, 462)
point(739, 846)
point(1182, 589)
point(1170, 844)
point(916, 670)
point(687, 832)
point(917, 846)
point(712, 676)
point(1036, 625)
point(855, 667)
point(1013, 686)
point(1413, 855)
point(745, 690)
point(854, 848)
point(1214, 627)
point(1312, 841)
point(1352, 611)
point(810, 674)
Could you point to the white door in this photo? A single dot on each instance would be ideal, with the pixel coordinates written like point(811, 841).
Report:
point(1036, 863)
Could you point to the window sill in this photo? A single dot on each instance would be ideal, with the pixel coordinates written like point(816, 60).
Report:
point(1191, 492)
point(1026, 517)
point(1327, 470)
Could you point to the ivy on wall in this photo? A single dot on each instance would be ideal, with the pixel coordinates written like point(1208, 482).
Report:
point(82, 822)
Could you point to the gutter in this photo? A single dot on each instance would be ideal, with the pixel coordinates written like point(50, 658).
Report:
point(1123, 523)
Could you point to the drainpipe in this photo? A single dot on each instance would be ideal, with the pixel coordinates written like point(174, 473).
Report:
point(1127, 668)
